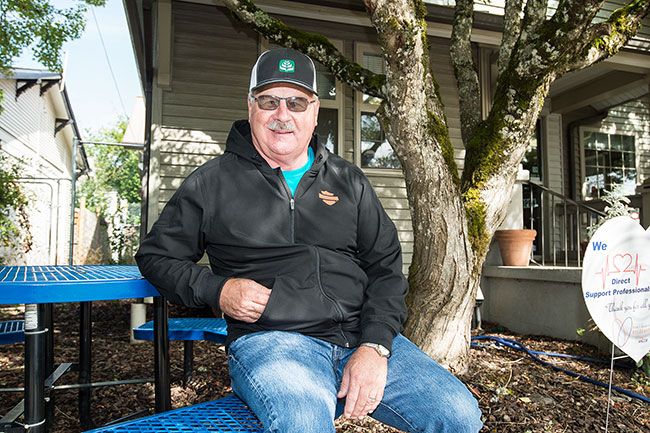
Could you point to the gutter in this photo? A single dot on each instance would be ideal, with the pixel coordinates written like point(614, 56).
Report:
point(75, 132)
point(76, 143)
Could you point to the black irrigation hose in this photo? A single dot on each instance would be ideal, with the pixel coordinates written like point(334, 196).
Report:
point(513, 344)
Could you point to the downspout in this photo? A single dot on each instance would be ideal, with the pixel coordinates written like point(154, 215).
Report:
point(42, 181)
point(161, 340)
point(73, 197)
point(573, 193)
point(73, 193)
point(147, 10)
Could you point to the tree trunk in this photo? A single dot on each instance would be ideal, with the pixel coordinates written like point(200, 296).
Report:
point(454, 219)
point(443, 277)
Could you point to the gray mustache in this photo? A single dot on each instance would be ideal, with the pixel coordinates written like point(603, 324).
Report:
point(280, 126)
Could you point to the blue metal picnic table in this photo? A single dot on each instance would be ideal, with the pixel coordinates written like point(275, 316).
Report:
point(38, 288)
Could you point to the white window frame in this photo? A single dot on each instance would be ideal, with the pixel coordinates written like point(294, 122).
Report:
point(608, 131)
point(360, 107)
point(335, 104)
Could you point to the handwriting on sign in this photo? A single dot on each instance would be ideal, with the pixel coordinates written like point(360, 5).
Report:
point(619, 265)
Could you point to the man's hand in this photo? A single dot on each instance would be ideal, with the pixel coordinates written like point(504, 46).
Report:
point(363, 383)
point(243, 299)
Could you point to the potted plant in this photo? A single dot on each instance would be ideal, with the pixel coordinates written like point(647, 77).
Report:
point(515, 245)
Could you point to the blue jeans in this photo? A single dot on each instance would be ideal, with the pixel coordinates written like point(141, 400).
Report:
point(290, 381)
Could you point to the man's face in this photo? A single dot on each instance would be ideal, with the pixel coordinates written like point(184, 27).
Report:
point(282, 135)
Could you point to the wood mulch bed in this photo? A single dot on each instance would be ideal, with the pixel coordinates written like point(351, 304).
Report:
point(515, 393)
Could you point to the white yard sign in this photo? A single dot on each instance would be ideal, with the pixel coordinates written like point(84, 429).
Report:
point(616, 284)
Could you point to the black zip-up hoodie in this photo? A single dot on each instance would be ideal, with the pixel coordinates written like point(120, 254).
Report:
point(330, 254)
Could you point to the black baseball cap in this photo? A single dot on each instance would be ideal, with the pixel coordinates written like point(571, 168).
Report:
point(283, 65)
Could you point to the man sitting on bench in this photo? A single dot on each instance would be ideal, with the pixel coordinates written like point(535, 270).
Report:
point(306, 267)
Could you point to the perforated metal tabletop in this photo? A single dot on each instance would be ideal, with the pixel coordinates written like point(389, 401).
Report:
point(51, 284)
point(226, 415)
point(39, 287)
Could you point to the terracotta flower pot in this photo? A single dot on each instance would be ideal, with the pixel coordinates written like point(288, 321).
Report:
point(515, 246)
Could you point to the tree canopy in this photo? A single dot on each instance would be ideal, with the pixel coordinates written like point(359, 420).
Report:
point(37, 23)
point(114, 169)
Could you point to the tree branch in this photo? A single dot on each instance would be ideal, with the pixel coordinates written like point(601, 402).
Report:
point(606, 38)
point(534, 15)
point(466, 76)
point(315, 45)
point(511, 31)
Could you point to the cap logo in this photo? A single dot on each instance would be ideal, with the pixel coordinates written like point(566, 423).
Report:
point(287, 65)
point(328, 198)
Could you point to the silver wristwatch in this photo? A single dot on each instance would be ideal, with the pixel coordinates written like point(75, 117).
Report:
point(381, 350)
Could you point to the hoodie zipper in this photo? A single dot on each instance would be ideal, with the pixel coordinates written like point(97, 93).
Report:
point(292, 208)
point(292, 205)
point(336, 304)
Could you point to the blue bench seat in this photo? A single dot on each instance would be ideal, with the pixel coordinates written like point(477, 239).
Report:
point(12, 331)
point(226, 415)
point(188, 330)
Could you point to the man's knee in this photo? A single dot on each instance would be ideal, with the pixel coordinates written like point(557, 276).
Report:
point(462, 415)
point(306, 416)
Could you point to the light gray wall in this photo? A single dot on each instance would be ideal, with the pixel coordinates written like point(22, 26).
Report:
point(27, 126)
point(538, 301)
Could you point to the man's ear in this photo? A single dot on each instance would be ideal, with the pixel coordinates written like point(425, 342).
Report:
point(316, 110)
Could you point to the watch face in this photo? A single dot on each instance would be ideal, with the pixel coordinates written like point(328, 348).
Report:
point(383, 351)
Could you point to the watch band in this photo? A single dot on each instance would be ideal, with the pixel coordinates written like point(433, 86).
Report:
point(381, 350)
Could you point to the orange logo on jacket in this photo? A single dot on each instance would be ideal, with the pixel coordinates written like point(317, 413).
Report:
point(328, 198)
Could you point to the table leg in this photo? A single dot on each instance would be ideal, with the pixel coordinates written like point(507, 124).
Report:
point(85, 350)
point(35, 368)
point(161, 349)
point(49, 361)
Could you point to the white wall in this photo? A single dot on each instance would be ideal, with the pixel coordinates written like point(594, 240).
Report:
point(27, 133)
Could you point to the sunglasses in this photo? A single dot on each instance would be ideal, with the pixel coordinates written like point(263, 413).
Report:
point(270, 102)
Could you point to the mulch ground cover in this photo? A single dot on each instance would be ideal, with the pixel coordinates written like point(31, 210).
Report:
point(515, 393)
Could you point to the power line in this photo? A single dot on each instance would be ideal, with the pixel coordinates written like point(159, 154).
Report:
point(101, 38)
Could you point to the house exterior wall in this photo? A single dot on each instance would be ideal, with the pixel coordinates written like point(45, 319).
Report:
point(211, 62)
point(633, 118)
point(496, 7)
point(539, 301)
point(211, 56)
point(27, 133)
point(630, 118)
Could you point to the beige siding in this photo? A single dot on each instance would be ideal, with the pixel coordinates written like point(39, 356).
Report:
point(553, 177)
point(554, 157)
point(211, 60)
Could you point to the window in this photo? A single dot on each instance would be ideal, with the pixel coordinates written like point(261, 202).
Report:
point(375, 150)
point(330, 116)
point(372, 150)
point(532, 160)
point(609, 160)
point(330, 97)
